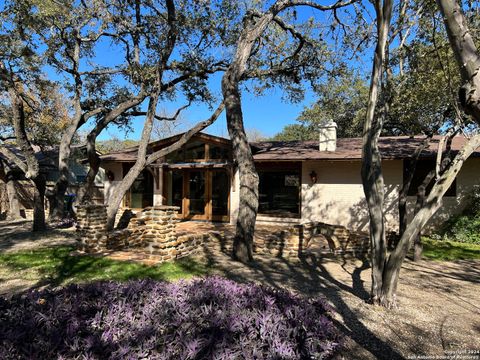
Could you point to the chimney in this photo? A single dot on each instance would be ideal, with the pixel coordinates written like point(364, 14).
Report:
point(328, 136)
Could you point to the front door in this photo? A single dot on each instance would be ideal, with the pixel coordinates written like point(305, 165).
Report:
point(204, 195)
point(197, 194)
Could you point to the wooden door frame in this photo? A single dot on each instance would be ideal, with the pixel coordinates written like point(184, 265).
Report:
point(186, 196)
point(207, 216)
point(221, 218)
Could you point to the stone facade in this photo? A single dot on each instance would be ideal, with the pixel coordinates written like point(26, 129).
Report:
point(92, 227)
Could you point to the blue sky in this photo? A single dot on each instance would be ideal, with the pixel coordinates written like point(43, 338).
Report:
point(267, 114)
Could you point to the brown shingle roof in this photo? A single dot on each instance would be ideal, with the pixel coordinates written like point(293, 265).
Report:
point(393, 147)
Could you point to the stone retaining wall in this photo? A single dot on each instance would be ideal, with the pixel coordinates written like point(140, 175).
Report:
point(335, 238)
point(92, 227)
point(152, 231)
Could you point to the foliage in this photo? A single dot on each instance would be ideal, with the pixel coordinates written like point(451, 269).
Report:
point(465, 227)
point(449, 250)
point(47, 115)
point(55, 266)
point(209, 318)
point(341, 98)
point(293, 132)
point(115, 144)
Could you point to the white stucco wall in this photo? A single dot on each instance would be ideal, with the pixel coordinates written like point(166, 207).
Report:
point(110, 186)
point(234, 197)
point(467, 180)
point(337, 197)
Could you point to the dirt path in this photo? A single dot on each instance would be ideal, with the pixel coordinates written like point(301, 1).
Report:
point(16, 235)
point(439, 301)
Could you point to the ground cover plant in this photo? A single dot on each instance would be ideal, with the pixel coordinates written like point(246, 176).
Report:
point(449, 250)
point(56, 266)
point(465, 227)
point(210, 318)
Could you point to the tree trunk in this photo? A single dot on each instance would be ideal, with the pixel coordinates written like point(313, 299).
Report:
point(39, 204)
point(116, 199)
point(410, 172)
point(429, 208)
point(466, 54)
point(245, 225)
point(372, 178)
point(94, 166)
point(10, 205)
point(13, 203)
point(417, 248)
point(57, 197)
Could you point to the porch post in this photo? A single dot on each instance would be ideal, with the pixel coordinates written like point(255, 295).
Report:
point(158, 186)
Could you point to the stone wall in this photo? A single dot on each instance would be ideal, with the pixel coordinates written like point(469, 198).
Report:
point(153, 231)
point(92, 227)
point(334, 238)
point(285, 242)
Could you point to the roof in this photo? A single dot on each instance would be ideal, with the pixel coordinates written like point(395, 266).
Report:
point(391, 147)
point(130, 154)
point(47, 157)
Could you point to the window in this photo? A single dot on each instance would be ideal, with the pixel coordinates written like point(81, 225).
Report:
point(279, 192)
point(218, 152)
point(421, 171)
point(195, 150)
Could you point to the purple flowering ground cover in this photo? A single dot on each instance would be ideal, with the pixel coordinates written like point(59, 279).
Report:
point(210, 318)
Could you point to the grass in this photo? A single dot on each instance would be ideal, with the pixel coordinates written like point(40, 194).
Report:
point(56, 266)
point(449, 250)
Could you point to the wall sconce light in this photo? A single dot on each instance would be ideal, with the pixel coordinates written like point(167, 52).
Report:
point(110, 175)
point(313, 177)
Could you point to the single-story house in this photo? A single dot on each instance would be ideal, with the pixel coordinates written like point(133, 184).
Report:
point(48, 161)
point(300, 181)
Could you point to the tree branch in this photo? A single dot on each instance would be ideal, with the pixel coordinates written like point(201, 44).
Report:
point(186, 136)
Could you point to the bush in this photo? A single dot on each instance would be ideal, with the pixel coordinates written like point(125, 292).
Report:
point(211, 318)
point(466, 226)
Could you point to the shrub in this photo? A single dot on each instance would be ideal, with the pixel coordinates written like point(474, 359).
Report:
point(465, 227)
point(211, 318)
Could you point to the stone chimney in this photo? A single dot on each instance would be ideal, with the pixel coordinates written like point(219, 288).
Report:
point(328, 137)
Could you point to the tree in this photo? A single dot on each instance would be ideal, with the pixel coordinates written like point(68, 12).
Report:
point(343, 99)
point(372, 178)
point(386, 267)
point(285, 70)
point(296, 132)
point(171, 71)
point(30, 166)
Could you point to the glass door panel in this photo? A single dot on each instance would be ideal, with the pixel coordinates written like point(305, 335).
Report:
point(220, 192)
point(177, 189)
point(196, 190)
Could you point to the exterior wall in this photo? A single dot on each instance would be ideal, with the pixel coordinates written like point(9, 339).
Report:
point(337, 198)
point(110, 186)
point(234, 197)
point(467, 181)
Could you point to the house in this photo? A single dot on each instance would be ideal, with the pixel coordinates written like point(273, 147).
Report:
point(48, 160)
point(300, 181)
